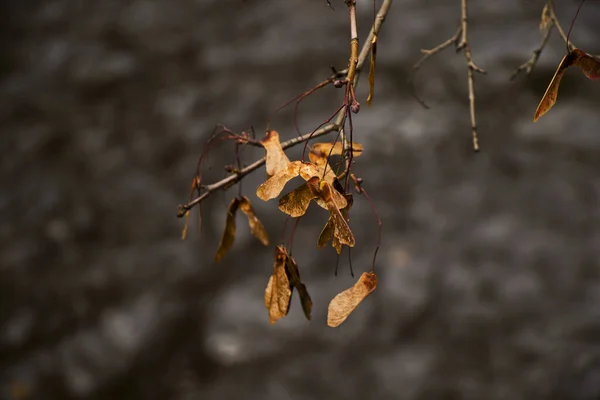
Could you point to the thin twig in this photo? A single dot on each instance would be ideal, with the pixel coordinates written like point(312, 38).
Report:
point(426, 54)
point(358, 184)
point(236, 177)
point(349, 96)
point(471, 67)
point(556, 22)
point(547, 24)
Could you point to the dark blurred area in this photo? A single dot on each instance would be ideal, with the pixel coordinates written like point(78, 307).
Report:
point(489, 280)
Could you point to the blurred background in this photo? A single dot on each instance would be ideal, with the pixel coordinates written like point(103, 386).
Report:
point(489, 280)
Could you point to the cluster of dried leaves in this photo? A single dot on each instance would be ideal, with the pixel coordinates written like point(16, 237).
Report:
point(286, 277)
point(321, 184)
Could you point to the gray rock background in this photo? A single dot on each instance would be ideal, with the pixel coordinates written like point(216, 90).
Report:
point(489, 274)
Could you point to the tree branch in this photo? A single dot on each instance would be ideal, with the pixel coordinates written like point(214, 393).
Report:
point(230, 180)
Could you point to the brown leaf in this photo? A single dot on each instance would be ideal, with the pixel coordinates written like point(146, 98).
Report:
point(326, 234)
point(296, 202)
point(338, 199)
point(320, 152)
point(229, 232)
point(256, 227)
point(278, 291)
point(589, 66)
point(326, 193)
point(345, 302)
point(276, 159)
point(549, 97)
point(372, 70)
point(328, 231)
point(272, 187)
point(295, 281)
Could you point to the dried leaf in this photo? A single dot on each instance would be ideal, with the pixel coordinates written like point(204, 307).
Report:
point(549, 97)
point(276, 159)
point(345, 302)
point(296, 202)
point(296, 282)
point(338, 200)
point(278, 291)
point(272, 187)
point(589, 66)
point(320, 152)
point(328, 231)
point(326, 234)
point(341, 229)
point(256, 227)
point(229, 232)
point(372, 70)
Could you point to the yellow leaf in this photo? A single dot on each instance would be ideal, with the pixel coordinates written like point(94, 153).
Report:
point(345, 302)
point(276, 160)
point(272, 187)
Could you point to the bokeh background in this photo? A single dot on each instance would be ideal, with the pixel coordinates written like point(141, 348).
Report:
point(489, 274)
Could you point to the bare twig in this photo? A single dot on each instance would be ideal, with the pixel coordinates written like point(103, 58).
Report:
point(556, 22)
point(549, 20)
point(366, 49)
point(426, 54)
point(471, 67)
point(463, 44)
point(530, 64)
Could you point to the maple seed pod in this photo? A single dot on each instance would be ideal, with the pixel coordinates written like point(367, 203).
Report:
point(338, 83)
point(355, 107)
